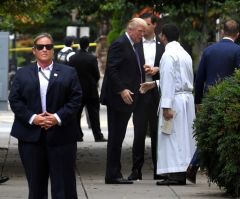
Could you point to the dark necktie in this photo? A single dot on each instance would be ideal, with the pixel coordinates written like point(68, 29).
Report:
point(138, 60)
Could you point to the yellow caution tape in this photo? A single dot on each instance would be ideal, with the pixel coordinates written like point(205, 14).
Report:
point(27, 49)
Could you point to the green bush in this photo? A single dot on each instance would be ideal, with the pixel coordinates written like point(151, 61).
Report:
point(217, 132)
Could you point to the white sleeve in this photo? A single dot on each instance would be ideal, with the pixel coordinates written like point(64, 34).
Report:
point(167, 82)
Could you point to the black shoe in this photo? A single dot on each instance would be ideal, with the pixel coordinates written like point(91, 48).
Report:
point(160, 177)
point(3, 179)
point(192, 173)
point(170, 182)
point(135, 175)
point(118, 181)
point(102, 139)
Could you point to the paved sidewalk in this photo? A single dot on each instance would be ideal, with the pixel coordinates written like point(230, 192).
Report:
point(91, 158)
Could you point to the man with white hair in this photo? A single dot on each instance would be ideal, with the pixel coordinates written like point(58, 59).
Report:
point(119, 93)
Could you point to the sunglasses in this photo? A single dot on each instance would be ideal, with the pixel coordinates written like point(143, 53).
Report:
point(41, 46)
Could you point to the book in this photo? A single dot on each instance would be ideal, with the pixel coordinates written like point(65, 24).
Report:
point(167, 125)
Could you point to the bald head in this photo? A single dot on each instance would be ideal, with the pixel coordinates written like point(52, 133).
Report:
point(231, 29)
point(136, 28)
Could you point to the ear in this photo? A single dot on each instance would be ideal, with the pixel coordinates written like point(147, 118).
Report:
point(33, 50)
point(155, 24)
point(237, 35)
point(221, 33)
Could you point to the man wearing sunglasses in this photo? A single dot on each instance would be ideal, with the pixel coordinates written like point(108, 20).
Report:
point(45, 97)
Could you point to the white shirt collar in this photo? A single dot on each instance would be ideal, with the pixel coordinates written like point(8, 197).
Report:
point(129, 38)
point(50, 67)
point(228, 38)
point(151, 40)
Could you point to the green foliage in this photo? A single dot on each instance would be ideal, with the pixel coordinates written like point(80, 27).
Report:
point(15, 13)
point(217, 131)
point(115, 32)
point(122, 12)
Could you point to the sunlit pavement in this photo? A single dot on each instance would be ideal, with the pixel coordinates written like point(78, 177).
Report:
point(90, 171)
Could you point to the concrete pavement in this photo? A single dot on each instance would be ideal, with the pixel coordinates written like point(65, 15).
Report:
point(91, 158)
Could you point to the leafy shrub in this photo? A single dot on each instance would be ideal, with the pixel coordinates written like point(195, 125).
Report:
point(217, 131)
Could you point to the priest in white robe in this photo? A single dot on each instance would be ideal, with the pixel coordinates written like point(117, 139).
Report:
point(176, 144)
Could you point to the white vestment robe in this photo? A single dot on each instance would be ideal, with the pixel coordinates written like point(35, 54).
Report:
point(175, 150)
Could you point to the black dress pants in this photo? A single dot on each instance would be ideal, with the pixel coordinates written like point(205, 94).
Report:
point(117, 125)
point(144, 116)
point(93, 108)
point(41, 161)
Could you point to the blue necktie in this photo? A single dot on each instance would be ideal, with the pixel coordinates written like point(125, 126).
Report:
point(138, 60)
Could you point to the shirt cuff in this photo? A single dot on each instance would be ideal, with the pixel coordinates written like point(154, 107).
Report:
point(58, 119)
point(32, 118)
point(166, 103)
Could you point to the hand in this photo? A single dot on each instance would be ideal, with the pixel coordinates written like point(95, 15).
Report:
point(151, 70)
point(39, 120)
point(50, 120)
point(197, 106)
point(126, 96)
point(168, 113)
point(144, 87)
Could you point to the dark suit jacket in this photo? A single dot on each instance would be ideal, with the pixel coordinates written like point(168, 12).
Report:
point(87, 69)
point(63, 97)
point(159, 52)
point(122, 72)
point(218, 61)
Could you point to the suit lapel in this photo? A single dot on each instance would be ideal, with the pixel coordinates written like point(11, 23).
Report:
point(34, 75)
point(159, 52)
point(54, 75)
point(130, 47)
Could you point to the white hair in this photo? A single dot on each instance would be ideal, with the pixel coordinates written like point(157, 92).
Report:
point(135, 22)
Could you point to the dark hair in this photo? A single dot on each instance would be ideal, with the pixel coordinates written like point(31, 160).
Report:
point(171, 32)
point(231, 28)
point(68, 40)
point(154, 19)
point(84, 42)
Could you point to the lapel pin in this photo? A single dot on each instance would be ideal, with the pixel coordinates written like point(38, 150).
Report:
point(55, 74)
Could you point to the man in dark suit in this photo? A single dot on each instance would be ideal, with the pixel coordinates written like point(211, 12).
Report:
point(218, 61)
point(87, 69)
point(121, 83)
point(45, 97)
point(150, 50)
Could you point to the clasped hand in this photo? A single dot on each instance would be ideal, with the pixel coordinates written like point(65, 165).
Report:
point(45, 120)
point(150, 70)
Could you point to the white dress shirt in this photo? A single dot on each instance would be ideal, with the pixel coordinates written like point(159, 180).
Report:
point(43, 80)
point(149, 49)
point(44, 76)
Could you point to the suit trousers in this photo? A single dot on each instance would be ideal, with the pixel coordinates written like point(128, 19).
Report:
point(93, 108)
point(41, 161)
point(117, 125)
point(144, 116)
point(195, 159)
